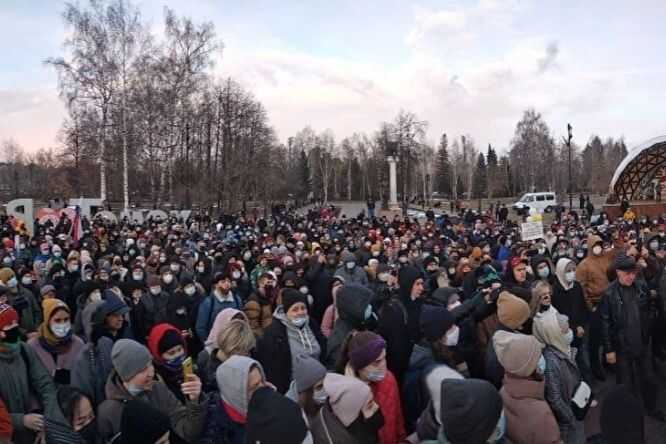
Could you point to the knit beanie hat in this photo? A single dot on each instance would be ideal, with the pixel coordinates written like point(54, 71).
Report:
point(622, 417)
point(519, 354)
point(307, 372)
point(274, 419)
point(170, 339)
point(346, 396)
point(142, 423)
point(153, 281)
point(435, 322)
point(8, 315)
point(291, 297)
point(46, 289)
point(364, 348)
point(129, 358)
point(512, 311)
point(470, 410)
point(347, 257)
point(6, 274)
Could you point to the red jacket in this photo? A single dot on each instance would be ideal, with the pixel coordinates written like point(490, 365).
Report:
point(6, 429)
point(387, 396)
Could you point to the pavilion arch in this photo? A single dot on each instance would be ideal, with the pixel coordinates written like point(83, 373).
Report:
point(641, 163)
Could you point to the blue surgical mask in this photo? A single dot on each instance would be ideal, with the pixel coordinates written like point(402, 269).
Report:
point(376, 375)
point(176, 363)
point(569, 337)
point(299, 322)
point(541, 365)
point(544, 273)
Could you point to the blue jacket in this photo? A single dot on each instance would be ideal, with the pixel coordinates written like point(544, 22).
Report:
point(208, 311)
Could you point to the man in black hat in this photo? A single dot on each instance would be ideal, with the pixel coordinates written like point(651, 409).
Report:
point(625, 336)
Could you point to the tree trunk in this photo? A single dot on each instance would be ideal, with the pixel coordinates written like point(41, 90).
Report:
point(349, 179)
point(102, 153)
point(125, 166)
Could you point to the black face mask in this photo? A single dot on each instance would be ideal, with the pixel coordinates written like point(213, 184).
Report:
point(544, 307)
point(89, 433)
point(11, 336)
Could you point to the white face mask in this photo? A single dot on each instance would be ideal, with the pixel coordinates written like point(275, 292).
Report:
point(137, 276)
point(570, 276)
point(61, 330)
point(569, 337)
point(27, 280)
point(320, 396)
point(168, 279)
point(453, 336)
point(351, 265)
point(201, 269)
point(155, 290)
point(303, 290)
point(96, 296)
point(236, 274)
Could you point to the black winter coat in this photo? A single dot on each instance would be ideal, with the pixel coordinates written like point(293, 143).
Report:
point(571, 302)
point(613, 318)
point(274, 353)
point(319, 280)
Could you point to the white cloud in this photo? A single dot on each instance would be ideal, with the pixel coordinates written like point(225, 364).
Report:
point(32, 117)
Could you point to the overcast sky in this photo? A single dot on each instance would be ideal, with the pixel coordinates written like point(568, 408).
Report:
point(468, 67)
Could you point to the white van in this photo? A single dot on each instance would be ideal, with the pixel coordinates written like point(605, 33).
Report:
point(542, 202)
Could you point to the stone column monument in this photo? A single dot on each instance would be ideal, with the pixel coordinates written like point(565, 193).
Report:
point(393, 184)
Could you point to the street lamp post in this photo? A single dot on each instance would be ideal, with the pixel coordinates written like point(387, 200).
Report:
point(568, 142)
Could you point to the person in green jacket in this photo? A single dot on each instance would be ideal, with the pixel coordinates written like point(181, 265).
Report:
point(25, 385)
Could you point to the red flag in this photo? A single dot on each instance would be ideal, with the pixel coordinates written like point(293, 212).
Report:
point(76, 230)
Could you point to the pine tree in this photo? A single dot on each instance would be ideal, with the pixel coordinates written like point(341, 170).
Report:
point(443, 169)
point(460, 187)
point(480, 184)
point(504, 186)
point(492, 165)
point(304, 175)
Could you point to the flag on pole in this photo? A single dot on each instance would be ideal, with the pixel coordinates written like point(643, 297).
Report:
point(76, 230)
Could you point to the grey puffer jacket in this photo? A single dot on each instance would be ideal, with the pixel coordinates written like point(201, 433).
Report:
point(26, 386)
point(92, 368)
point(562, 377)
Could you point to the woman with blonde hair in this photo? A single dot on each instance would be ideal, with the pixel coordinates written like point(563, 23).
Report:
point(235, 339)
point(542, 295)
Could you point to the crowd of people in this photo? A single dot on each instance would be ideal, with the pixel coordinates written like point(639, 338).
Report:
point(327, 329)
